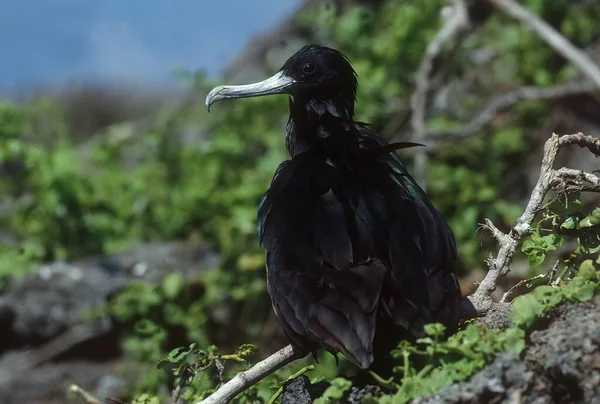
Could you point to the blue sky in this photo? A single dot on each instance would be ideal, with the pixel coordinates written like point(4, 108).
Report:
point(50, 41)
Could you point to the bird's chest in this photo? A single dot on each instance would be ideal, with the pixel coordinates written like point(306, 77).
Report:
point(311, 215)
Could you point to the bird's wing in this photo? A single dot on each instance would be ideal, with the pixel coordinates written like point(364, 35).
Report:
point(320, 294)
point(420, 245)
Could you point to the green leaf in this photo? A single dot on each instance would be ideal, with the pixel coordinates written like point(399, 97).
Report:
point(146, 399)
point(536, 258)
point(526, 309)
point(551, 241)
point(172, 285)
point(472, 334)
point(528, 246)
point(246, 350)
point(178, 354)
point(585, 292)
point(589, 221)
point(425, 340)
point(587, 271)
point(435, 329)
point(147, 327)
point(556, 299)
point(514, 340)
point(568, 224)
point(544, 292)
point(335, 391)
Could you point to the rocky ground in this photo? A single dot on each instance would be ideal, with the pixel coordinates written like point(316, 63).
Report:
point(44, 343)
point(561, 364)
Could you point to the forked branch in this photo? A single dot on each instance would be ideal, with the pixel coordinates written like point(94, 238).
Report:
point(564, 179)
point(456, 21)
point(552, 37)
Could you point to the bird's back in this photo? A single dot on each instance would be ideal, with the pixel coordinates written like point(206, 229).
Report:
point(354, 248)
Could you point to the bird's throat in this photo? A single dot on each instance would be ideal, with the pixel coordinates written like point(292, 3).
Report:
point(310, 119)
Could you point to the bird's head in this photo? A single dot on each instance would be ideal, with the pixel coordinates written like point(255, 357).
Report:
point(314, 72)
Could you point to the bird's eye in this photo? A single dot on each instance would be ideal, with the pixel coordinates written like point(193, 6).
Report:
point(308, 68)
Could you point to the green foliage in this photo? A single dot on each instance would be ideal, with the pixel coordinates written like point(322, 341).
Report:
point(565, 213)
point(152, 316)
point(335, 392)
point(538, 247)
point(186, 364)
point(450, 361)
point(530, 307)
point(146, 399)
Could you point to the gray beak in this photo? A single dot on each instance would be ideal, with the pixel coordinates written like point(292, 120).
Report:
point(276, 84)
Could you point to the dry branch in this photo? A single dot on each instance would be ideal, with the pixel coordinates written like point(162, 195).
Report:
point(83, 395)
point(504, 102)
point(250, 377)
point(549, 178)
point(552, 37)
point(456, 21)
point(575, 180)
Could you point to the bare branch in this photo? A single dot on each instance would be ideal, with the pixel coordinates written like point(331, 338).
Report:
point(83, 395)
point(16, 364)
point(496, 234)
point(527, 283)
point(571, 180)
point(589, 142)
point(256, 373)
point(504, 102)
point(456, 21)
point(549, 178)
point(552, 37)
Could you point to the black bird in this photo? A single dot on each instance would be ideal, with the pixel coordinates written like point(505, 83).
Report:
point(357, 256)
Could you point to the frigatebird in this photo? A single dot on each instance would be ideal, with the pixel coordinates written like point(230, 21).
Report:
point(357, 256)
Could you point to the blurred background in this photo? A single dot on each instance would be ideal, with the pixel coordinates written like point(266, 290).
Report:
point(127, 212)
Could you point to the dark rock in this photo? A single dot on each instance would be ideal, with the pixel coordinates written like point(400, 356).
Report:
point(53, 298)
point(560, 365)
point(358, 394)
point(44, 331)
point(301, 391)
point(567, 353)
point(506, 379)
point(50, 382)
point(496, 318)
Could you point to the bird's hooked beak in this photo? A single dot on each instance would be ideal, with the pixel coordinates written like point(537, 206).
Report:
point(279, 83)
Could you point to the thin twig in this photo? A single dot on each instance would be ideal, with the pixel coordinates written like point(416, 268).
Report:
point(83, 395)
point(498, 266)
point(525, 282)
point(571, 180)
point(456, 21)
point(504, 102)
point(250, 377)
point(552, 37)
point(20, 363)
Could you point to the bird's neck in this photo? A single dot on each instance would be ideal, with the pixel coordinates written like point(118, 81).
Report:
point(314, 119)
